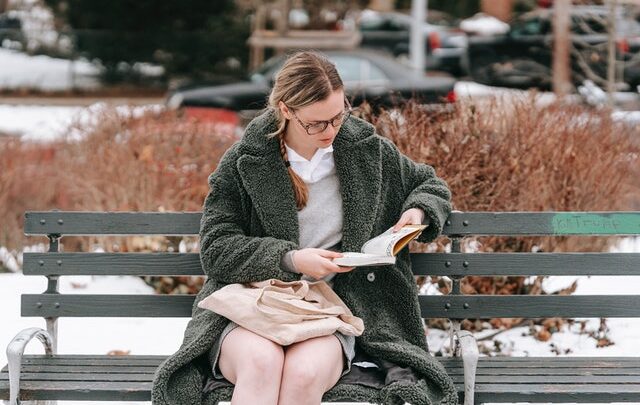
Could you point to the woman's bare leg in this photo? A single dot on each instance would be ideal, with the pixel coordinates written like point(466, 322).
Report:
point(254, 364)
point(311, 368)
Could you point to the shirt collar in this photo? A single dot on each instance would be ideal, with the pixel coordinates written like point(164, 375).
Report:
point(295, 157)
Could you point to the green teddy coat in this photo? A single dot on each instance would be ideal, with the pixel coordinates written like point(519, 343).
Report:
point(250, 220)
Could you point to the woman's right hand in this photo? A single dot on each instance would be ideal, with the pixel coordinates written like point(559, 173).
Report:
point(317, 263)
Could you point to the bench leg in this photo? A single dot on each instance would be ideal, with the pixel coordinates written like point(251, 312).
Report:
point(15, 351)
point(470, 354)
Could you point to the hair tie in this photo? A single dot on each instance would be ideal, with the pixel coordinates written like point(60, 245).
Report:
point(287, 163)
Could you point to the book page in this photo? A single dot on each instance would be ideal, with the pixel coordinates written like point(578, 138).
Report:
point(389, 243)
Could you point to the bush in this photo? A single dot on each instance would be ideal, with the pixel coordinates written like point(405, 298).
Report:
point(513, 155)
point(154, 162)
point(497, 155)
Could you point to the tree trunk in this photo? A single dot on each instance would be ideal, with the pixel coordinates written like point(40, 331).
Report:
point(561, 46)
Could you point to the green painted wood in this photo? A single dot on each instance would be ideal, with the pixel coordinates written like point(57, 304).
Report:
point(108, 305)
point(525, 264)
point(543, 223)
point(529, 306)
point(112, 223)
point(135, 264)
point(468, 223)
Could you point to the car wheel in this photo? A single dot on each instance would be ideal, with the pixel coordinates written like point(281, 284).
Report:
point(523, 73)
point(482, 65)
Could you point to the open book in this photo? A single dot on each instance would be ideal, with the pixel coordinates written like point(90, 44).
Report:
point(382, 249)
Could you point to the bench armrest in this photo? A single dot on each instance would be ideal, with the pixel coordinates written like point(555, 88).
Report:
point(15, 351)
point(468, 349)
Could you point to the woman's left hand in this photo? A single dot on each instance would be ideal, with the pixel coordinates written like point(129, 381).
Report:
point(412, 216)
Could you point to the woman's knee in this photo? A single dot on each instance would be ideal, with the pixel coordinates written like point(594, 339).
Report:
point(246, 355)
point(315, 365)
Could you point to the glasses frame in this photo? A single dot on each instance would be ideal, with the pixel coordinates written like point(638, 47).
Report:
point(325, 124)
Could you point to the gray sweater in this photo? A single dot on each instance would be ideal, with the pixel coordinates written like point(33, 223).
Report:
point(320, 221)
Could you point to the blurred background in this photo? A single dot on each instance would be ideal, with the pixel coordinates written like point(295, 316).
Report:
point(128, 105)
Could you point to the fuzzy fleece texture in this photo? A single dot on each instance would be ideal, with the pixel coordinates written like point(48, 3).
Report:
point(249, 222)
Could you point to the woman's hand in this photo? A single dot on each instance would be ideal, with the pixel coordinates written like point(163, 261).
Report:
point(412, 216)
point(317, 263)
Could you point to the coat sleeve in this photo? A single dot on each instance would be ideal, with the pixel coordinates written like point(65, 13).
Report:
point(422, 189)
point(227, 253)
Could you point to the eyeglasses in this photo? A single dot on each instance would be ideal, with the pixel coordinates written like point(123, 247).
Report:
point(320, 126)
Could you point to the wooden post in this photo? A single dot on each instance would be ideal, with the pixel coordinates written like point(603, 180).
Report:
point(417, 44)
point(4, 5)
point(561, 45)
point(611, 45)
point(283, 23)
point(500, 9)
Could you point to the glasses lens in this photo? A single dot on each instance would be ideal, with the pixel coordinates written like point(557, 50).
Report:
point(317, 128)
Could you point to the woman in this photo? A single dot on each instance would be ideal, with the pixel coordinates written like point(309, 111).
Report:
point(306, 182)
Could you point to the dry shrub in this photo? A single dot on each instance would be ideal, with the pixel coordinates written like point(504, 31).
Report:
point(156, 161)
point(516, 155)
point(513, 155)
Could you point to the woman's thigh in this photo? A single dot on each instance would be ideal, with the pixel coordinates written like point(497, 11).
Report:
point(317, 361)
point(244, 353)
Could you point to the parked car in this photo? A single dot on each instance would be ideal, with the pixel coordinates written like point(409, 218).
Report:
point(445, 43)
point(523, 57)
point(367, 75)
point(11, 29)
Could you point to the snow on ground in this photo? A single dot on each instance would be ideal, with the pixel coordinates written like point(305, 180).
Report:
point(36, 122)
point(19, 70)
point(163, 336)
point(46, 123)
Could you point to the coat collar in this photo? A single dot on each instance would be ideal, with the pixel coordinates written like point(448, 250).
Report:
point(358, 166)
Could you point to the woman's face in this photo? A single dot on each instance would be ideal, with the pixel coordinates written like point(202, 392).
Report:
point(306, 123)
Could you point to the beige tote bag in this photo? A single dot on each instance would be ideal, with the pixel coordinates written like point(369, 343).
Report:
point(285, 312)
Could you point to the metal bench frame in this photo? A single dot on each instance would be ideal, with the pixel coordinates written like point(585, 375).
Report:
point(456, 306)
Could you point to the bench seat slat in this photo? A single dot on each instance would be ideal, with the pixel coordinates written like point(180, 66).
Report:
point(552, 379)
point(96, 377)
point(490, 388)
point(81, 390)
point(64, 368)
point(492, 371)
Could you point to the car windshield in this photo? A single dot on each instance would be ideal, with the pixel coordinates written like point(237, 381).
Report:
point(266, 71)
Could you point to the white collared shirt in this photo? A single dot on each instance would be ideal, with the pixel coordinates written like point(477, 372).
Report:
point(320, 166)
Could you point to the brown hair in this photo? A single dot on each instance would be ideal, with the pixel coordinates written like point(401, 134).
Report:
point(305, 78)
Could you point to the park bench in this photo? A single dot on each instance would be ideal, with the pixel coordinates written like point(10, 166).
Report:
point(496, 379)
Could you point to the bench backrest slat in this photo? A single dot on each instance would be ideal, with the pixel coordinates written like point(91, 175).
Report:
point(466, 223)
point(135, 264)
point(112, 223)
point(455, 265)
point(526, 264)
point(432, 306)
point(106, 305)
point(529, 306)
point(435, 264)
